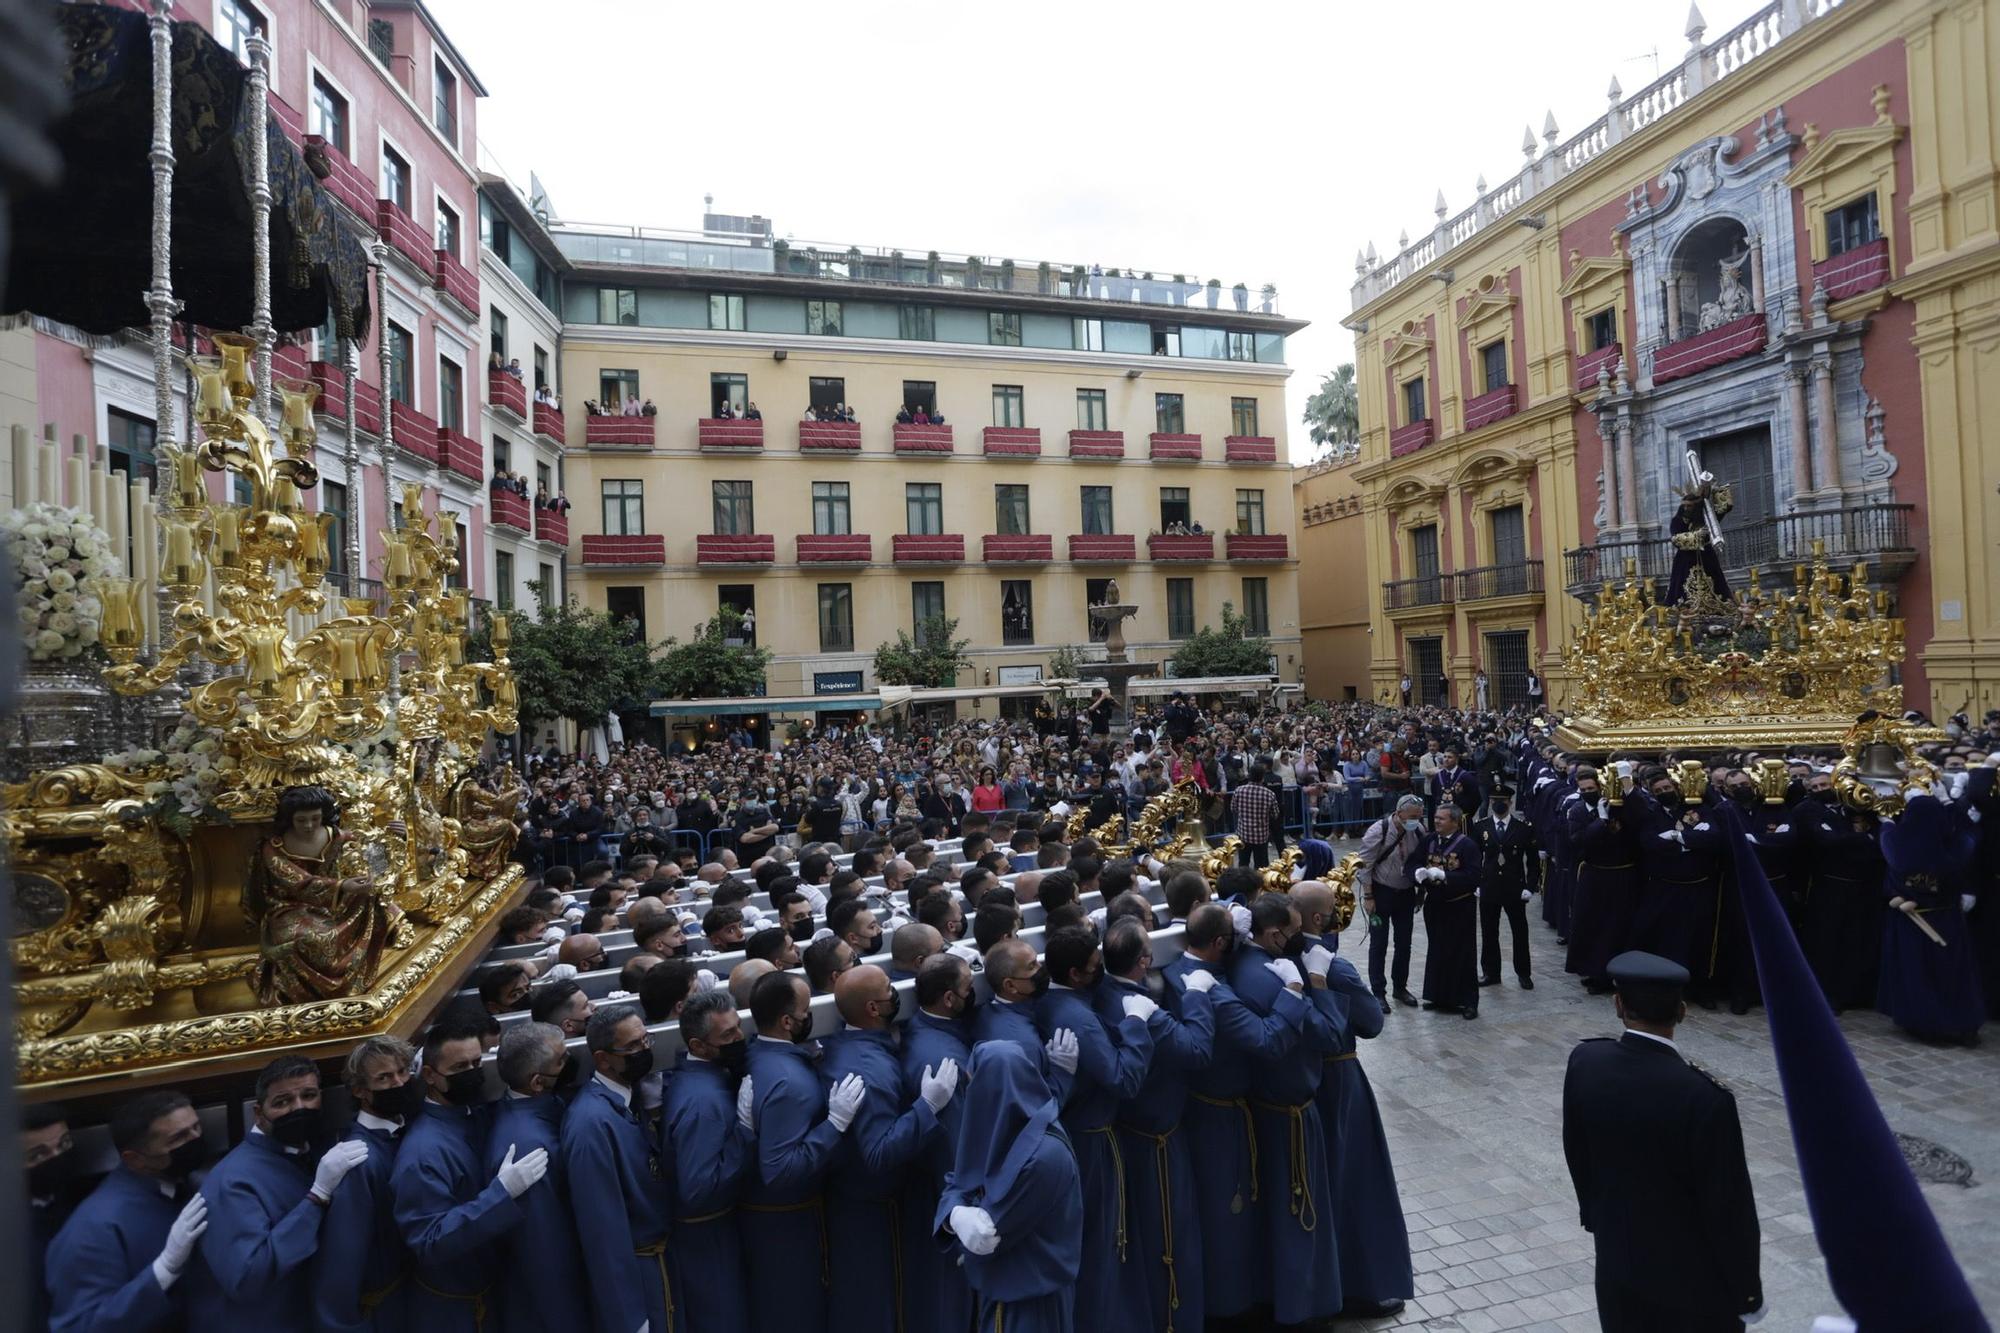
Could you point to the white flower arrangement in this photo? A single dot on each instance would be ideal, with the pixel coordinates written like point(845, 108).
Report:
point(183, 778)
point(377, 754)
point(59, 559)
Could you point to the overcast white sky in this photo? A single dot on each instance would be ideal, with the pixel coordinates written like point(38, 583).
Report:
point(1248, 141)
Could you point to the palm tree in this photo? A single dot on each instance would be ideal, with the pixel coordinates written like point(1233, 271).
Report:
point(1333, 415)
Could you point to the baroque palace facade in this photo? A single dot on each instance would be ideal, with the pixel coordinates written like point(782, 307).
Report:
point(1784, 258)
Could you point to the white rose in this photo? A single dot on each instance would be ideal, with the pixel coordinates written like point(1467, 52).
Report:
point(47, 641)
point(32, 568)
point(154, 790)
point(79, 531)
point(62, 622)
point(207, 745)
point(100, 565)
point(88, 606)
point(85, 546)
point(61, 580)
point(55, 555)
point(64, 601)
point(29, 616)
point(34, 532)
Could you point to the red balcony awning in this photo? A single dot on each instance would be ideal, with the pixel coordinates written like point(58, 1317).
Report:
point(548, 422)
point(507, 393)
point(332, 402)
point(1165, 546)
point(1249, 449)
point(638, 549)
point(414, 431)
point(1587, 365)
point(344, 181)
point(1097, 444)
point(460, 453)
point(914, 439)
point(618, 432)
point(1408, 439)
point(829, 437)
point(1174, 448)
point(1013, 442)
point(1256, 546)
point(1115, 548)
point(457, 282)
point(404, 236)
point(1861, 269)
point(746, 548)
point(1491, 406)
point(510, 508)
point(928, 549)
point(552, 525)
point(734, 436)
point(1721, 344)
point(844, 548)
point(1033, 548)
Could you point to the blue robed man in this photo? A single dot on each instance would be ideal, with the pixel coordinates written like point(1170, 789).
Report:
point(116, 1263)
point(612, 1172)
point(1368, 1227)
point(935, 1292)
point(1020, 981)
point(538, 1074)
point(1218, 1114)
point(864, 1237)
point(267, 1200)
point(705, 1131)
point(1013, 1204)
point(359, 1277)
point(1111, 1065)
point(798, 1125)
point(49, 1160)
point(1164, 1214)
point(452, 1211)
point(1300, 1252)
point(1930, 991)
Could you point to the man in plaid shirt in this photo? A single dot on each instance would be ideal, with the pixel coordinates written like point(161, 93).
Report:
point(1253, 807)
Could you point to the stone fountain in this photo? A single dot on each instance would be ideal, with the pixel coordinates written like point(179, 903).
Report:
point(1116, 670)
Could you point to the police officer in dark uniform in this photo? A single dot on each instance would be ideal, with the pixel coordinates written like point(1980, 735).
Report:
point(1656, 1153)
point(1507, 850)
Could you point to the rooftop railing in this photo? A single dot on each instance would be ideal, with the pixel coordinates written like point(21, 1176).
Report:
point(1704, 65)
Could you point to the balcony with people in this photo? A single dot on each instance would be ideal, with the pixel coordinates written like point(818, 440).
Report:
point(548, 414)
point(552, 524)
point(505, 389)
point(623, 421)
point(1181, 542)
point(921, 429)
point(728, 428)
point(507, 501)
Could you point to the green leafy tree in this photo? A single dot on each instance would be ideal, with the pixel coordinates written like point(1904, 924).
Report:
point(1069, 662)
point(571, 662)
point(1333, 415)
point(933, 657)
point(710, 665)
point(1224, 652)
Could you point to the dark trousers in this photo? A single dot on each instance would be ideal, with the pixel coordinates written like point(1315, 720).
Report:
point(1254, 854)
point(1622, 1310)
point(1399, 913)
point(1492, 902)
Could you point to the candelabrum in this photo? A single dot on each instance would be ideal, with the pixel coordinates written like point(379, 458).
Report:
point(241, 576)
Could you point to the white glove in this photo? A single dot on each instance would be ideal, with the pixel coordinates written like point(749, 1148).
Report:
point(1526, 894)
point(1542, 782)
point(1672, 835)
point(974, 1229)
point(560, 972)
point(1604, 807)
point(745, 1098)
point(1286, 971)
point(1782, 828)
point(687, 919)
point(1063, 1050)
point(1140, 1007)
point(936, 1088)
point(1319, 960)
point(1200, 979)
point(515, 1176)
point(1541, 856)
point(1965, 902)
point(1973, 814)
point(1624, 767)
point(333, 1168)
point(705, 980)
point(554, 935)
point(181, 1236)
point(1912, 793)
point(1707, 477)
point(844, 1101)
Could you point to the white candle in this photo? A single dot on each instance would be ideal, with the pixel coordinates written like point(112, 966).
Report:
point(47, 470)
point(115, 511)
point(78, 478)
point(145, 557)
point(24, 467)
point(100, 497)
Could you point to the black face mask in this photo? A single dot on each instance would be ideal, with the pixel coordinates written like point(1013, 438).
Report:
point(803, 1033)
point(802, 930)
point(47, 1178)
point(1827, 797)
point(399, 1103)
point(871, 945)
point(1746, 796)
point(734, 1058)
point(969, 1007)
point(465, 1088)
point(1041, 981)
point(297, 1129)
point(1296, 946)
point(186, 1159)
point(572, 1073)
point(637, 1066)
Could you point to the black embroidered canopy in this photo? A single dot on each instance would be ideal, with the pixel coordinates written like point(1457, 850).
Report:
point(82, 250)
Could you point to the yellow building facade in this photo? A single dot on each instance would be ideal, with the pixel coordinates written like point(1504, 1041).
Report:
point(1782, 259)
point(1333, 611)
point(1060, 468)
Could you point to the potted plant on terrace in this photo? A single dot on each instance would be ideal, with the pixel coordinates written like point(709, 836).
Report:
point(1214, 292)
point(781, 256)
point(1045, 281)
point(933, 268)
point(1270, 294)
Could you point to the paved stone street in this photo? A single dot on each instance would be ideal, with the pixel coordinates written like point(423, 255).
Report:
point(1474, 1115)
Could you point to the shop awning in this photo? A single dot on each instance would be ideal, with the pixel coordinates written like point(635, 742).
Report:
point(767, 703)
point(894, 697)
point(1161, 686)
